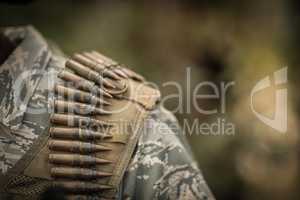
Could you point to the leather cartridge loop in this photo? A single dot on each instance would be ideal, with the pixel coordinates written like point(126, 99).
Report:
point(97, 119)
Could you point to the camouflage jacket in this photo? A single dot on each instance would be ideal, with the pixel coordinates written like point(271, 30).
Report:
point(162, 166)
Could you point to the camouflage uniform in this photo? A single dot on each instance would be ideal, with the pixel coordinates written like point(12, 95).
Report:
point(161, 167)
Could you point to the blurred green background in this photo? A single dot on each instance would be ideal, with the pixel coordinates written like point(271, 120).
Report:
point(241, 41)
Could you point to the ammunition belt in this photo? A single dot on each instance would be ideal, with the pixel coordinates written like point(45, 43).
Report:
point(81, 145)
point(87, 148)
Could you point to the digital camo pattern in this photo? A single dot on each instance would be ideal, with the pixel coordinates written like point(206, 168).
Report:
point(163, 167)
point(20, 75)
point(22, 92)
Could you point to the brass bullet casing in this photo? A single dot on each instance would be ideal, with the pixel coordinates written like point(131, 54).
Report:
point(80, 186)
point(120, 87)
point(78, 108)
point(122, 70)
point(76, 160)
point(77, 134)
point(113, 66)
point(104, 59)
point(69, 76)
point(75, 146)
point(79, 95)
point(88, 73)
point(91, 57)
point(87, 61)
point(133, 75)
point(77, 121)
point(77, 173)
point(82, 83)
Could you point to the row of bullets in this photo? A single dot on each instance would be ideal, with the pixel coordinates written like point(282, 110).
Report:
point(72, 149)
point(84, 66)
point(87, 59)
point(115, 87)
point(81, 96)
point(102, 62)
point(88, 73)
point(90, 70)
point(83, 84)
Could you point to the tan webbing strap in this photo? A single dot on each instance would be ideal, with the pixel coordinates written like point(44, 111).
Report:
point(95, 126)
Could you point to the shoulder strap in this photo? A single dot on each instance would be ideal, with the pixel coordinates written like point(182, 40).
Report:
point(97, 118)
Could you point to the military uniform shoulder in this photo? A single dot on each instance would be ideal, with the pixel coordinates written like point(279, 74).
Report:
point(98, 98)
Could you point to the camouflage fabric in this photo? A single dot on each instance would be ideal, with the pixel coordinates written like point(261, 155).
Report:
point(20, 90)
point(162, 166)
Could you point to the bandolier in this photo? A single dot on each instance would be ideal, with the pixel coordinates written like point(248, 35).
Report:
point(70, 127)
point(98, 111)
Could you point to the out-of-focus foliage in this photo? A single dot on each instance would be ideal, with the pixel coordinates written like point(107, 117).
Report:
point(219, 41)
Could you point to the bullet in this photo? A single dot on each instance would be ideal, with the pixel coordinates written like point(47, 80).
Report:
point(80, 186)
point(79, 95)
point(94, 58)
point(85, 60)
point(78, 108)
point(98, 67)
point(77, 134)
point(77, 120)
point(76, 160)
point(69, 76)
point(104, 58)
point(119, 71)
point(133, 75)
point(88, 73)
point(111, 73)
point(83, 83)
point(77, 173)
point(127, 71)
point(75, 146)
point(113, 67)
